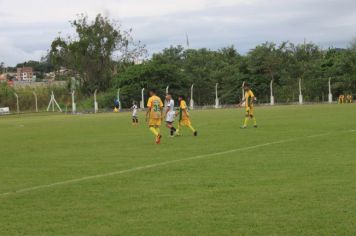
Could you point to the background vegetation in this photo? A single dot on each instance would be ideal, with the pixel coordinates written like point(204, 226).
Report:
point(102, 56)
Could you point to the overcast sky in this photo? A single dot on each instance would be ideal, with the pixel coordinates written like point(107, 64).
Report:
point(28, 27)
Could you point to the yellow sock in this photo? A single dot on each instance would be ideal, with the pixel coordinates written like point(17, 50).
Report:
point(254, 121)
point(246, 121)
point(154, 131)
point(158, 131)
point(191, 127)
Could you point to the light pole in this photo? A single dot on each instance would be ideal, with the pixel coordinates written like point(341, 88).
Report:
point(167, 89)
point(36, 104)
point(330, 94)
point(300, 92)
point(243, 91)
point(142, 105)
point(217, 105)
point(95, 102)
point(74, 106)
point(165, 101)
point(118, 99)
point(272, 97)
point(17, 103)
point(191, 105)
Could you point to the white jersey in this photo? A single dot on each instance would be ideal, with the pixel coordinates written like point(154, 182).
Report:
point(170, 111)
point(170, 106)
point(134, 110)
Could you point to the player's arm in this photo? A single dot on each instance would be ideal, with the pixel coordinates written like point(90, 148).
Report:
point(148, 113)
point(167, 110)
point(185, 112)
point(243, 100)
point(161, 108)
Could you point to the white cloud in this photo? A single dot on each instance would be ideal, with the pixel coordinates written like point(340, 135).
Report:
point(26, 32)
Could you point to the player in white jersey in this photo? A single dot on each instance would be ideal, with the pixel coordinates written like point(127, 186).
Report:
point(170, 114)
point(134, 110)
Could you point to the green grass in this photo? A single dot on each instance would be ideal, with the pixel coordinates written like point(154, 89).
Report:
point(301, 186)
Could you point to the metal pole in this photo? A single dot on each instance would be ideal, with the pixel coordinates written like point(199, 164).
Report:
point(300, 91)
point(272, 97)
point(95, 102)
point(17, 102)
point(36, 104)
point(330, 94)
point(52, 99)
point(216, 96)
point(191, 97)
point(167, 89)
point(74, 107)
point(143, 99)
point(118, 98)
point(243, 91)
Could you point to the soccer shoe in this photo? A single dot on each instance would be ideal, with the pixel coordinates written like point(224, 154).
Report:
point(243, 127)
point(255, 126)
point(158, 139)
point(196, 133)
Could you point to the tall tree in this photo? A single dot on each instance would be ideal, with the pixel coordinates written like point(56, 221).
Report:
point(92, 55)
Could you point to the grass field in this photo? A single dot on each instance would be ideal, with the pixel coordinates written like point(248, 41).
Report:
point(98, 175)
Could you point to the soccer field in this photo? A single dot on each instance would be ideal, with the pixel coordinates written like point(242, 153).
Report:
point(99, 175)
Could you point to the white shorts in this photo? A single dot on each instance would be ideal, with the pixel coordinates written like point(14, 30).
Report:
point(170, 116)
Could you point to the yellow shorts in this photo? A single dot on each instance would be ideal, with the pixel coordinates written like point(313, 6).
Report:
point(185, 122)
point(155, 122)
point(249, 111)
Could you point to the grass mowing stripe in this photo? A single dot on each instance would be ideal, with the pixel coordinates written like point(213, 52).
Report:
point(158, 164)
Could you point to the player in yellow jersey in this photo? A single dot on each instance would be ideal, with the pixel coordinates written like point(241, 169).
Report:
point(349, 98)
point(154, 114)
point(341, 99)
point(248, 100)
point(184, 119)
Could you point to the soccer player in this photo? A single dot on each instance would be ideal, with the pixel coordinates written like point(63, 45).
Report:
point(341, 99)
point(349, 98)
point(134, 114)
point(248, 100)
point(184, 119)
point(116, 105)
point(154, 114)
point(170, 114)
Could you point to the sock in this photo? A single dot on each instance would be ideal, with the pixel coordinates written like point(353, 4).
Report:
point(254, 121)
point(173, 130)
point(191, 127)
point(246, 122)
point(154, 131)
point(158, 131)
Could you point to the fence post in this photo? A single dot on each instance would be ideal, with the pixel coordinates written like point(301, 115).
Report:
point(142, 104)
point(300, 92)
point(36, 104)
point(191, 97)
point(17, 103)
point(272, 97)
point(95, 102)
point(330, 94)
point(217, 105)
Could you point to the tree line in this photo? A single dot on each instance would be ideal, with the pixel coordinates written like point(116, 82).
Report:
point(101, 56)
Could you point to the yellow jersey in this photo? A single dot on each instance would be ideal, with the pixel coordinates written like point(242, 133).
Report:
point(183, 106)
point(156, 104)
point(249, 96)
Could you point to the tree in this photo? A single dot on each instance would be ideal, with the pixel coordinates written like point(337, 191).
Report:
point(2, 67)
point(93, 54)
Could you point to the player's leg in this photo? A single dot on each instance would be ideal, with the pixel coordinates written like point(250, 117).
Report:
point(133, 120)
point(188, 123)
point(178, 128)
point(247, 116)
point(253, 118)
point(154, 130)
